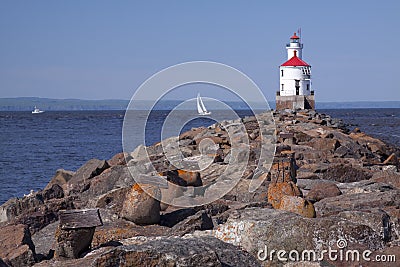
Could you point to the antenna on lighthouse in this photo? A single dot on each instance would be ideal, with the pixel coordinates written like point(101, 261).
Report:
point(299, 32)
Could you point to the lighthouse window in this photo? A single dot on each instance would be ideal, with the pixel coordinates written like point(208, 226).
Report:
point(282, 85)
point(308, 86)
point(282, 73)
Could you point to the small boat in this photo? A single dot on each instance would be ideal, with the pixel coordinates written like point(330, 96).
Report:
point(201, 109)
point(37, 111)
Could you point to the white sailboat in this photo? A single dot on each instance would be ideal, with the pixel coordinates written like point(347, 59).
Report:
point(37, 111)
point(201, 109)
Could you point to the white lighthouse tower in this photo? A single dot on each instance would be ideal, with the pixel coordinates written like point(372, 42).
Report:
point(295, 79)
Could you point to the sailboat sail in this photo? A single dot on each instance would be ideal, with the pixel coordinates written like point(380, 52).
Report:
point(201, 109)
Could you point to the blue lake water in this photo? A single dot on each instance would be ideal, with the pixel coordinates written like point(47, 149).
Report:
point(33, 147)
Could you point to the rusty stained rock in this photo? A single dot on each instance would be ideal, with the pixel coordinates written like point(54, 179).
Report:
point(297, 205)
point(141, 206)
point(277, 190)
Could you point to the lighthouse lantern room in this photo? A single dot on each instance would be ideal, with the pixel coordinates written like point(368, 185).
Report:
point(295, 90)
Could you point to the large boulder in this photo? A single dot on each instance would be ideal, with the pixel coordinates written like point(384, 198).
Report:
point(256, 228)
point(358, 201)
point(141, 205)
point(16, 246)
point(177, 251)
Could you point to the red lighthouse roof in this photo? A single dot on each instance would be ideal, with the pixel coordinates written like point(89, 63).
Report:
point(295, 36)
point(295, 61)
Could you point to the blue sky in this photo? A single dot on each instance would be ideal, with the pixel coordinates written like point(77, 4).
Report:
point(106, 49)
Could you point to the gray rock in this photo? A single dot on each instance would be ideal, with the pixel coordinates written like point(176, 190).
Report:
point(55, 191)
point(44, 241)
point(364, 186)
point(61, 178)
point(345, 173)
point(112, 200)
point(357, 201)
point(15, 207)
point(198, 222)
point(177, 251)
point(79, 181)
point(255, 228)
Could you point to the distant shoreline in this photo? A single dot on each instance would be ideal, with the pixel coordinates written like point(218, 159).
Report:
point(48, 104)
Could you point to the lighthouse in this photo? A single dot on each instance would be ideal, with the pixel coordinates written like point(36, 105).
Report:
point(295, 90)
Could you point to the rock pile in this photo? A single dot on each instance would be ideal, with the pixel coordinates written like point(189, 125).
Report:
point(325, 184)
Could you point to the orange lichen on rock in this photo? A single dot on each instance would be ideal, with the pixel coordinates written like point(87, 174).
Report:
point(277, 190)
point(297, 205)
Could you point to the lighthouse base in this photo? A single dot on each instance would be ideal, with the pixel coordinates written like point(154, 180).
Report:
point(295, 102)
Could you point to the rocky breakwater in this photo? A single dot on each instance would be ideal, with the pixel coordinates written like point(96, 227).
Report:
point(325, 184)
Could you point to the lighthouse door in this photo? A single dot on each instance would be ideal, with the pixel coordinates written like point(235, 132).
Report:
point(297, 86)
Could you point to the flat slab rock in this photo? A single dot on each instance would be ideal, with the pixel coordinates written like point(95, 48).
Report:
point(74, 219)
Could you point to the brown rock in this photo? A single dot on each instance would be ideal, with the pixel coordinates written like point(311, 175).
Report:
point(323, 190)
point(324, 144)
point(391, 178)
point(55, 191)
point(114, 231)
point(357, 201)
point(119, 159)
point(140, 207)
point(345, 173)
point(168, 194)
point(192, 133)
point(199, 222)
point(113, 200)
point(301, 137)
point(71, 243)
point(277, 190)
point(376, 146)
point(16, 246)
point(34, 210)
point(115, 177)
point(61, 178)
point(79, 181)
point(297, 205)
